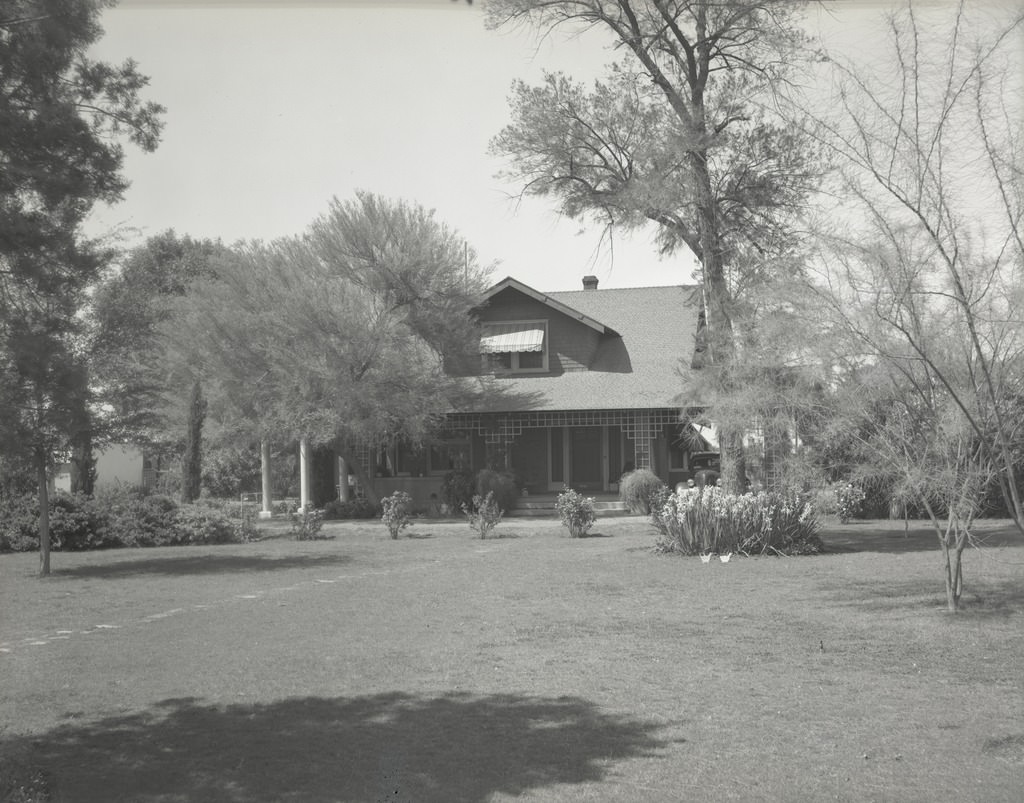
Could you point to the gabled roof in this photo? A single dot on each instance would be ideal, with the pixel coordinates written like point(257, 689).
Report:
point(548, 299)
point(644, 352)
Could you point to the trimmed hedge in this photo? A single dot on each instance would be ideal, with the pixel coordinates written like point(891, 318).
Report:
point(353, 509)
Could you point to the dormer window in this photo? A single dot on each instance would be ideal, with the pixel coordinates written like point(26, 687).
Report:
point(515, 346)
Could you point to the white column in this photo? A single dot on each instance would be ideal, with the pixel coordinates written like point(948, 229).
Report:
point(266, 510)
point(304, 455)
point(342, 479)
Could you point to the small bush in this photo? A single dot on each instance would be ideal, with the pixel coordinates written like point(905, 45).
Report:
point(576, 512)
point(639, 488)
point(397, 513)
point(500, 485)
point(306, 524)
point(484, 515)
point(352, 509)
point(849, 500)
point(197, 524)
point(19, 522)
point(457, 489)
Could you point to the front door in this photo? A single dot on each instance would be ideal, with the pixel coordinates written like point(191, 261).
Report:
point(586, 458)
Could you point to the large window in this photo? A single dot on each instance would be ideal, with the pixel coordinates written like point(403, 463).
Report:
point(515, 346)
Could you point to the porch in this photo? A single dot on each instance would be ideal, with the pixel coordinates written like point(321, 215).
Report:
point(606, 505)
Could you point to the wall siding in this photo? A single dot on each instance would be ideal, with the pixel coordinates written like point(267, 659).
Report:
point(571, 344)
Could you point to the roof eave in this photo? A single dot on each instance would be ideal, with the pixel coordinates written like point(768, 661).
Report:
point(508, 282)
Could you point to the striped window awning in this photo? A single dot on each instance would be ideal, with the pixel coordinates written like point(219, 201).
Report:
point(518, 337)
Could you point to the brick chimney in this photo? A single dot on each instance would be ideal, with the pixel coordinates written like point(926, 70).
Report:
point(589, 282)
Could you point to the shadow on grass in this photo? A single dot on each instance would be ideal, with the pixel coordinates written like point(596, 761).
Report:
point(383, 747)
point(890, 537)
point(201, 564)
point(981, 598)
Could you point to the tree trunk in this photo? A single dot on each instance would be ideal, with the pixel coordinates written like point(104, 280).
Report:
point(953, 566)
point(44, 516)
point(83, 464)
point(718, 318)
point(192, 460)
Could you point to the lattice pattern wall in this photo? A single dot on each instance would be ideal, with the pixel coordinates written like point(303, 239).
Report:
point(564, 418)
point(641, 426)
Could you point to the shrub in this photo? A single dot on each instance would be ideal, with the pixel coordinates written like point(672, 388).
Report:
point(197, 524)
point(576, 512)
point(484, 514)
point(638, 488)
point(397, 512)
point(849, 500)
point(18, 517)
point(118, 517)
point(500, 485)
point(352, 509)
point(457, 489)
point(708, 520)
point(306, 524)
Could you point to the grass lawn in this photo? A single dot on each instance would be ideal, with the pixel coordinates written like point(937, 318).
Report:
point(443, 668)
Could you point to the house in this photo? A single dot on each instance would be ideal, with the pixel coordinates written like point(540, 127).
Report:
point(588, 385)
point(119, 464)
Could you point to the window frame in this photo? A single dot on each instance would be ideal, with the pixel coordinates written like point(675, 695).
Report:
point(515, 368)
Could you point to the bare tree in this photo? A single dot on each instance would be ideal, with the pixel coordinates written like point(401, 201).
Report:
point(925, 272)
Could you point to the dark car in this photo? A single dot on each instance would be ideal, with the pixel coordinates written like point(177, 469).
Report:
point(706, 468)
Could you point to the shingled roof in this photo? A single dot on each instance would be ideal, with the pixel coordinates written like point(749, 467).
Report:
point(648, 341)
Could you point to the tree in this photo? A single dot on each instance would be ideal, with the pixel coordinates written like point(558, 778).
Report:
point(128, 365)
point(924, 272)
point(340, 336)
point(682, 135)
point(192, 460)
point(62, 115)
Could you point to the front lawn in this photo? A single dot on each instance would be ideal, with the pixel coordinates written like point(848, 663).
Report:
point(440, 667)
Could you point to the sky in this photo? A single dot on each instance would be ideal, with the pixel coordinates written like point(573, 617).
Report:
point(275, 108)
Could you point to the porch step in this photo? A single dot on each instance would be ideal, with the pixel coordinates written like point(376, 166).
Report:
point(544, 507)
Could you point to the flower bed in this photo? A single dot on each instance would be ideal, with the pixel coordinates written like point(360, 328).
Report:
point(707, 520)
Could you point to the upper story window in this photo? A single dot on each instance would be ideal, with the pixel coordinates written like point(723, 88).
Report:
point(515, 346)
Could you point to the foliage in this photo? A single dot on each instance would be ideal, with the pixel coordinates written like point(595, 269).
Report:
point(118, 518)
point(484, 514)
point(397, 513)
point(501, 485)
point(849, 500)
point(639, 488)
point(62, 116)
point(457, 488)
point(306, 524)
point(353, 509)
point(710, 521)
point(576, 512)
point(143, 386)
point(920, 265)
point(378, 293)
point(230, 470)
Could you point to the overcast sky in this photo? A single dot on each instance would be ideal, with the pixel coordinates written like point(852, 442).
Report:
point(274, 108)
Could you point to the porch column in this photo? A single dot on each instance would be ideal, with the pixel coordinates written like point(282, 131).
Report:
point(266, 509)
point(342, 479)
point(304, 475)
